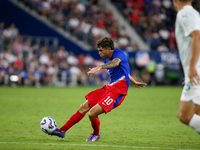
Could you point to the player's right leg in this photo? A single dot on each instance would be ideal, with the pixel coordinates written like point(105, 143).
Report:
point(75, 118)
point(58, 133)
point(188, 114)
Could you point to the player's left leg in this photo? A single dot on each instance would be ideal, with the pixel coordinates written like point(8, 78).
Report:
point(95, 122)
point(95, 111)
point(109, 102)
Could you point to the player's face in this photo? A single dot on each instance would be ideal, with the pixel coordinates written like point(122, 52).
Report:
point(103, 52)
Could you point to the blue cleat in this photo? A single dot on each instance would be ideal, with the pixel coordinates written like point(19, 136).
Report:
point(58, 133)
point(93, 138)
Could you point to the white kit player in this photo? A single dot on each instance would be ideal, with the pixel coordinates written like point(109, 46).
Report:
point(188, 38)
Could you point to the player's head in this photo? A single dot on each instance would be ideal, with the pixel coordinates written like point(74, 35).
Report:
point(105, 42)
point(105, 47)
point(178, 4)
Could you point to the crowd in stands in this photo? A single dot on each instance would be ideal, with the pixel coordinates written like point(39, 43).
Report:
point(88, 20)
point(34, 65)
point(22, 63)
point(154, 20)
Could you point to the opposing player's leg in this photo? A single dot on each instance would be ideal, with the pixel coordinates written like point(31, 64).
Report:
point(186, 111)
point(75, 118)
point(188, 114)
point(198, 110)
point(95, 122)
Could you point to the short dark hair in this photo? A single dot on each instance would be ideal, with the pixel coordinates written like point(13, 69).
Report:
point(105, 42)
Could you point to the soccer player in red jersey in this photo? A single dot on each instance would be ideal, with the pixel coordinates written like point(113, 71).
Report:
point(108, 97)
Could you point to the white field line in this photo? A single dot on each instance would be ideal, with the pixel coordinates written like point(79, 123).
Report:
point(95, 145)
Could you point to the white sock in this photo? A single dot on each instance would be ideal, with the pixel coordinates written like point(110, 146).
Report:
point(195, 123)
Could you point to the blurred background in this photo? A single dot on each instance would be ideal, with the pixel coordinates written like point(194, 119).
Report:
point(53, 42)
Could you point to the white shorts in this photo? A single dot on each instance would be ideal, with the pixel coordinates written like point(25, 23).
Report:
point(191, 94)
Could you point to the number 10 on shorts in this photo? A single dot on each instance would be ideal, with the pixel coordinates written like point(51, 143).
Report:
point(107, 101)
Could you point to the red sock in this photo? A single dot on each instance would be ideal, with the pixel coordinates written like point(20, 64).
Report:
point(95, 125)
point(75, 118)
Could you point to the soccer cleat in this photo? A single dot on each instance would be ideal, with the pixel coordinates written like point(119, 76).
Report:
point(93, 138)
point(58, 133)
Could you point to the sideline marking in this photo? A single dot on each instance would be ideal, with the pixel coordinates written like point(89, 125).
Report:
point(94, 145)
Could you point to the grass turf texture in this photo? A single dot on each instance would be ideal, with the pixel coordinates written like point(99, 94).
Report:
point(147, 119)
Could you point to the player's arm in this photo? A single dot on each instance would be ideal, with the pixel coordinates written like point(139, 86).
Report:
point(137, 84)
point(112, 64)
point(193, 75)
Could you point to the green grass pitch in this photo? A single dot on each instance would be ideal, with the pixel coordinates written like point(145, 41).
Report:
point(147, 119)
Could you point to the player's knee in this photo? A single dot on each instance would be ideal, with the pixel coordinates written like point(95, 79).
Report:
point(184, 118)
point(84, 108)
point(91, 115)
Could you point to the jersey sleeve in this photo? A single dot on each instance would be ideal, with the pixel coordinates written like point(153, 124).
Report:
point(120, 55)
point(189, 22)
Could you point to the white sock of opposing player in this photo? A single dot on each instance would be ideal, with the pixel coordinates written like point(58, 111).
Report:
point(195, 123)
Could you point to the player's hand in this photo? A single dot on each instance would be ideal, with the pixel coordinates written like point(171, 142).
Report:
point(93, 70)
point(139, 84)
point(194, 77)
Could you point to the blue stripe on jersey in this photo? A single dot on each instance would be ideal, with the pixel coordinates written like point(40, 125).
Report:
point(118, 100)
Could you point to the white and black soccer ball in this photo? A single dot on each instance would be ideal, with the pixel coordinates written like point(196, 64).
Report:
point(48, 125)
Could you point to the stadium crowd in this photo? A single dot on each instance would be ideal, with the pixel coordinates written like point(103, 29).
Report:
point(154, 20)
point(88, 20)
point(34, 65)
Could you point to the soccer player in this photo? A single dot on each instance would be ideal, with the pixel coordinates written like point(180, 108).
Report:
point(108, 97)
point(188, 38)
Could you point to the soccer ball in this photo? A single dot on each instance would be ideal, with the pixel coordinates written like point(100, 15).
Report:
point(48, 125)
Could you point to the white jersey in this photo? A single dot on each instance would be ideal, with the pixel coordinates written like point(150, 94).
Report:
point(187, 21)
